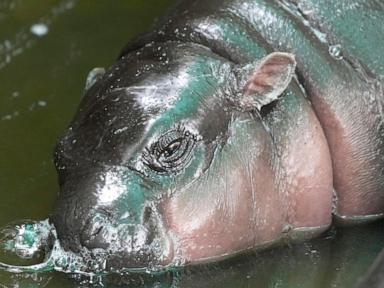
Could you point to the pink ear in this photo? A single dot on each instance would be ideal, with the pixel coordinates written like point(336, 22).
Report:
point(270, 78)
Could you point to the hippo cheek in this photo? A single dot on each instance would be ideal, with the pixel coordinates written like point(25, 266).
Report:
point(225, 214)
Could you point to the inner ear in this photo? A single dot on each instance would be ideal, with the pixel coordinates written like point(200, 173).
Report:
point(268, 80)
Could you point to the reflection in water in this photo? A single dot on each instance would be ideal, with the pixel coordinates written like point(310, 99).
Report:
point(336, 259)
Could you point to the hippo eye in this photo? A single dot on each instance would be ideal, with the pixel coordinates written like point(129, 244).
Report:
point(171, 152)
point(172, 148)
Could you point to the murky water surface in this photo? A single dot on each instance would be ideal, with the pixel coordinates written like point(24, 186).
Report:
point(47, 48)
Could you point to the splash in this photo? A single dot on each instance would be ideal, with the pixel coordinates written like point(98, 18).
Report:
point(24, 243)
point(33, 247)
point(29, 241)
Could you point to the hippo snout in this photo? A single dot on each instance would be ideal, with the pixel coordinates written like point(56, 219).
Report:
point(104, 236)
point(105, 213)
point(128, 245)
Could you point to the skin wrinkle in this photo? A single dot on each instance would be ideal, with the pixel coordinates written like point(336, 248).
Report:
point(249, 170)
point(362, 149)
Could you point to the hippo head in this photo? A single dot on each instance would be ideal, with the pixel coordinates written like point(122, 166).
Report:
point(167, 161)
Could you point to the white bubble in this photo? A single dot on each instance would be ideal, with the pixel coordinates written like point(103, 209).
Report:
point(39, 29)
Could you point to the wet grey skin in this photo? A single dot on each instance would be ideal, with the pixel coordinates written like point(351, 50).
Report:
point(111, 180)
point(200, 142)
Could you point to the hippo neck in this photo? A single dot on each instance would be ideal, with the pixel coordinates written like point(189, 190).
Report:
point(244, 30)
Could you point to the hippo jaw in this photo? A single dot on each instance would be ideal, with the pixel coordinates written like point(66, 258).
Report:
point(128, 246)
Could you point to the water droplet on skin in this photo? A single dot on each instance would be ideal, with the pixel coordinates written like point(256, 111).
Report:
point(336, 52)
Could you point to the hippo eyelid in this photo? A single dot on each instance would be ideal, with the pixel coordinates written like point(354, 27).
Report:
point(184, 151)
point(155, 156)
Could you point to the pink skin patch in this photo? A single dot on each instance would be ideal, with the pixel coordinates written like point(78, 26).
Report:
point(245, 201)
point(233, 207)
point(307, 169)
point(257, 190)
point(355, 148)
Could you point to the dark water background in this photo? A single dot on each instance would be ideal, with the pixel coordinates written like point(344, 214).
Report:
point(42, 75)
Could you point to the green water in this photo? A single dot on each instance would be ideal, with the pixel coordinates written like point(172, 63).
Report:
point(41, 82)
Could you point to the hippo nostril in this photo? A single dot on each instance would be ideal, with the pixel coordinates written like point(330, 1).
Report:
point(150, 223)
point(147, 214)
point(150, 237)
point(97, 231)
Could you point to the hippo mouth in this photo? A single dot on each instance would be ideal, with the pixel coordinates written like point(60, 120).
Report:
point(29, 242)
point(123, 246)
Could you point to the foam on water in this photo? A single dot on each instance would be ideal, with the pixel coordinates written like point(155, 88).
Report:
point(38, 241)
